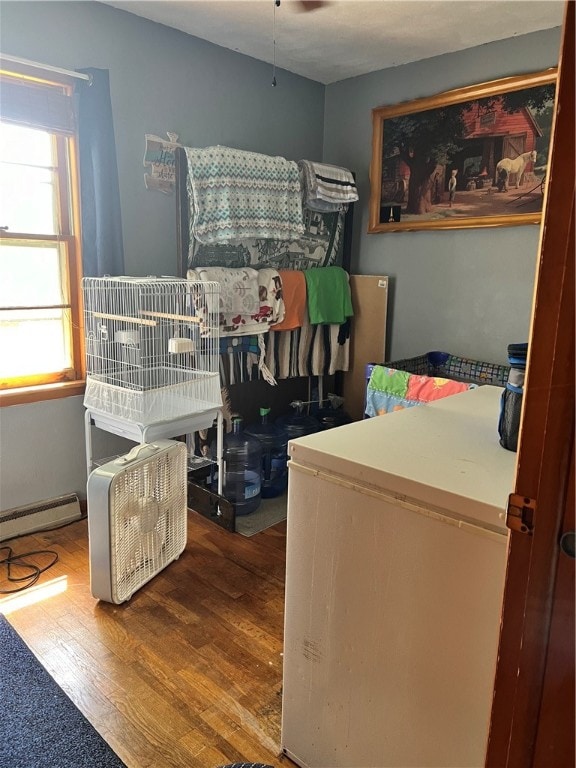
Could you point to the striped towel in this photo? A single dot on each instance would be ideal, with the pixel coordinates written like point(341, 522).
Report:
point(238, 194)
point(312, 350)
point(327, 187)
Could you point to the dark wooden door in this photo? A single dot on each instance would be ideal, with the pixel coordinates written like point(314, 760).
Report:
point(554, 744)
point(532, 720)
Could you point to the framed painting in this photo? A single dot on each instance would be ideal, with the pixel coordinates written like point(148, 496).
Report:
point(471, 157)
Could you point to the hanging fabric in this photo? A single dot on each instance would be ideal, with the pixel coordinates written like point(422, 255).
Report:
point(327, 187)
point(294, 295)
point(328, 295)
point(239, 194)
point(318, 350)
point(102, 244)
point(250, 301)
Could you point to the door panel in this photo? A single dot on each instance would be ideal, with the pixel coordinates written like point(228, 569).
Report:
point(538, 617)
point(555, 736)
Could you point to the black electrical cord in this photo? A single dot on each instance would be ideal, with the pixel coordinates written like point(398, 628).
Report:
point(11, 561)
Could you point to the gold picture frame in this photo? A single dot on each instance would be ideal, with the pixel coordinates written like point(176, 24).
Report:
point(492, 141)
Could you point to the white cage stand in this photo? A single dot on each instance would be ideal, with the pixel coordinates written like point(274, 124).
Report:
point(152, 360)
point(139, 433)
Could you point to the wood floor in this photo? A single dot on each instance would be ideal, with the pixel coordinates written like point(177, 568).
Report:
point(189, 672)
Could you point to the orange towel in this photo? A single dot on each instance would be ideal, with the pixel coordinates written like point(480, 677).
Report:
point(294, 295)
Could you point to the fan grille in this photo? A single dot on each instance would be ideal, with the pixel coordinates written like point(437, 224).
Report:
point(148, 520)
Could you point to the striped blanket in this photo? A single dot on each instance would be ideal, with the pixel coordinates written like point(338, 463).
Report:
point(327, 187)
point(236, 194)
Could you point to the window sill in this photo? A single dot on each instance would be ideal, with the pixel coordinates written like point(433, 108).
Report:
point(22, 395)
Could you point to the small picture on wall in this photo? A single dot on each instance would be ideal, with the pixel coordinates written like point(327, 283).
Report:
point(472, 157)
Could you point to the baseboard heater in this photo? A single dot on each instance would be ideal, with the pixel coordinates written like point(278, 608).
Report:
point(51, 513)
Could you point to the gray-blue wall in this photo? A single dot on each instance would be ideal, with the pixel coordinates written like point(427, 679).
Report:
point(468, 292)
point(161, 80)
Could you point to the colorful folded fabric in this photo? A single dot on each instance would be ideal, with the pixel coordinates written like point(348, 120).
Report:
point(391, 390)
point(239, 194)
point(233, 344)
point(239, 359)
point(294, 295)
point(328, 295)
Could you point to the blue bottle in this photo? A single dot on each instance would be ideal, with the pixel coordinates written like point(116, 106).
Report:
point(242, 466)
point(274, 442)
point(298, 424)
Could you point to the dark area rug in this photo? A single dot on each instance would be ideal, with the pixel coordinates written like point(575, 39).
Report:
point(40, 727)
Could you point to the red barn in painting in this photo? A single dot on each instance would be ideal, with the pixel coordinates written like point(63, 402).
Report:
point(491, 136)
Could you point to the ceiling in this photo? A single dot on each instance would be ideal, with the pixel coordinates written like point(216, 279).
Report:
point(346, 38)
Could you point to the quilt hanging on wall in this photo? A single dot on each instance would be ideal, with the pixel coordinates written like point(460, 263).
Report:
point(321, 245)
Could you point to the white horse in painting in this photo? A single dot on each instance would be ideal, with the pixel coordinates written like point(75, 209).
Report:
point(507, 165)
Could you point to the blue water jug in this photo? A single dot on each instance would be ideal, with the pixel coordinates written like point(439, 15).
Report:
point(274, 442)
point(332, 417)
point(242, 468)
point(298, 424)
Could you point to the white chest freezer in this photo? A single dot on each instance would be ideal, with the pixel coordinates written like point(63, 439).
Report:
point(395, 567)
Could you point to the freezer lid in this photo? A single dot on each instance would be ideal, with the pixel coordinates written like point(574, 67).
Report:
point(444, 455)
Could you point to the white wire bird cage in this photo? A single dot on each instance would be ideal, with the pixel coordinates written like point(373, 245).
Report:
point(152, 347)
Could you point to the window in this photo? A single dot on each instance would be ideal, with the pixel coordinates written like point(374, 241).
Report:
point(40, 315)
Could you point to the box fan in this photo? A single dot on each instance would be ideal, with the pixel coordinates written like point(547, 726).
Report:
point(137, 518)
